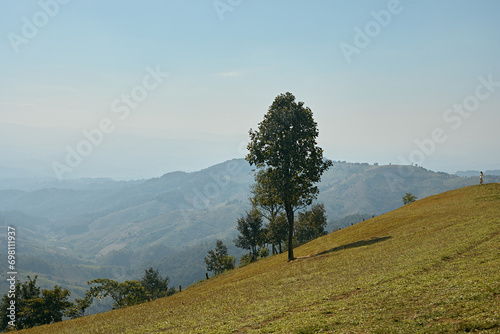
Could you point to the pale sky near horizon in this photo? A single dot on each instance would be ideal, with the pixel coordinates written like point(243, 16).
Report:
point(387, 81)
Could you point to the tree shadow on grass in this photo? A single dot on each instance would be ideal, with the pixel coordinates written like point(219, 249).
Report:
point(355, 244)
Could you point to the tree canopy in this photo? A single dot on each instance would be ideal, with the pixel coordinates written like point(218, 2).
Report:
point(277, 231)
point(155, 285)
point(409, 198)
point(311, 224)
point(128, 293)
point(33, 306)
point(265, 197)
point(251, 233)
point(27, 305)
point(285, 151)
point(217, 260)
point(124, 294)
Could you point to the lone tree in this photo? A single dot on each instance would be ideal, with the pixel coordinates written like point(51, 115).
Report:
point(218, 261)
point(155, 285)
point(409, 198)
point(284, 148)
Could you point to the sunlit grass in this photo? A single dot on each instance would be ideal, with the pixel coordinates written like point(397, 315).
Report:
point(429, 267)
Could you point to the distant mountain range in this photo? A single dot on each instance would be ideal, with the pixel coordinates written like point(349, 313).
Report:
point(475, 173)
point(73, 231)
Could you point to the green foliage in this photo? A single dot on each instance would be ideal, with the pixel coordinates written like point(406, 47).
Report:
point(152, 286)
point(155, 285)
point(265, 199)
point(265, 196)
point(78, 308)
point(48, 308)
point(311, 224)
point(409, 198)
point(34, 306)
point(247, 258)
point(123, 294)
point(218, 261)
point(263, 253)
point(284, 149)
point(277, 231)
point(251, 232)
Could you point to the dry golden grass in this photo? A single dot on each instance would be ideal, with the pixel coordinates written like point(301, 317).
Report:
point(429, 267)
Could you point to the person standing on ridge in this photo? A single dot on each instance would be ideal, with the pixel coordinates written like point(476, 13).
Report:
point(481, 177)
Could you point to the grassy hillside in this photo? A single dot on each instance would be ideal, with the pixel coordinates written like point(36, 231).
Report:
point(430, 267)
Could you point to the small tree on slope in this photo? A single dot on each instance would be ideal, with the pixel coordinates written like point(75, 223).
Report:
point(218, 261)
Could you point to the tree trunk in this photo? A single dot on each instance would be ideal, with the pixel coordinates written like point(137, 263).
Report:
point(289, 215)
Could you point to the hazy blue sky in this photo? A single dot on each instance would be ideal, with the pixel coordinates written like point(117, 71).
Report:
point(380, 77)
